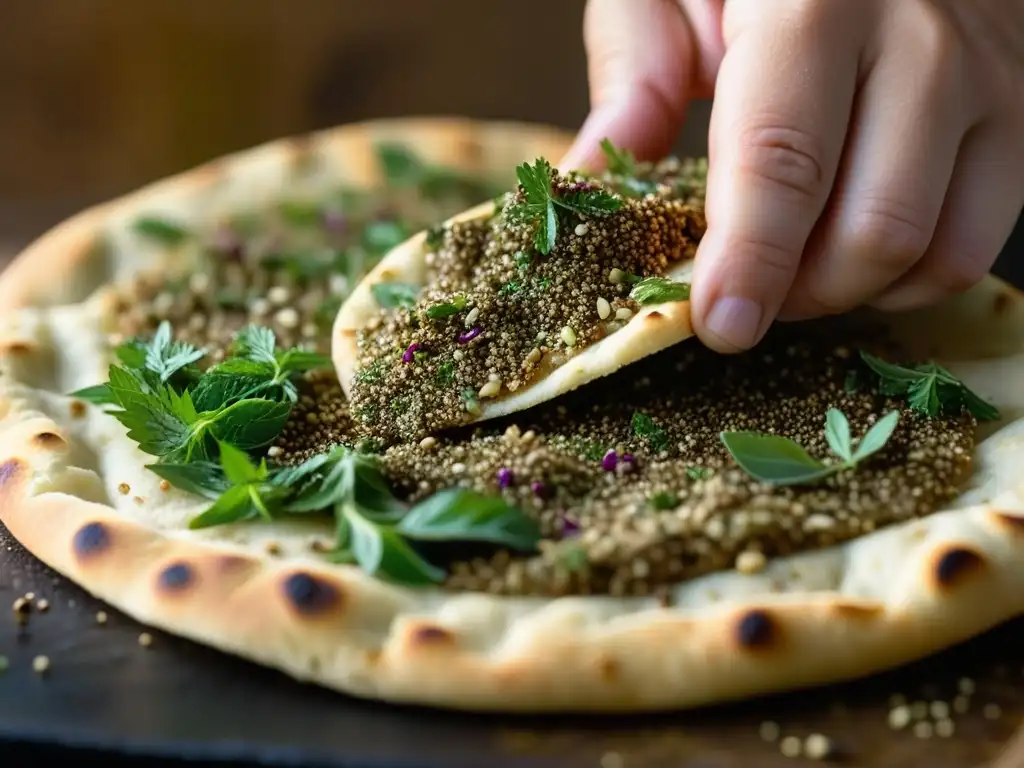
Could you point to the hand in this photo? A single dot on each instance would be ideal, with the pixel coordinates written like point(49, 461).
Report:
point(861, 151)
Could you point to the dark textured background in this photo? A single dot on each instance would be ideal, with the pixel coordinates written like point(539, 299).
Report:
point(100, 96)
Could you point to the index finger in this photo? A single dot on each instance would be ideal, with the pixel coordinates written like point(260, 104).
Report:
point(782, 104)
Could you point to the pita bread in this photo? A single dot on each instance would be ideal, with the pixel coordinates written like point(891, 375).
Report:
point(838, 613)
point(651, 329)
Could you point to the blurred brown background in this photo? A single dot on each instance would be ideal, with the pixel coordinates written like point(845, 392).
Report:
point(100, 96)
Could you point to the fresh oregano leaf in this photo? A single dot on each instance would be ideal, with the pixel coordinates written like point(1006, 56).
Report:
point(460, 514)
point(395, 295)
point(161, 230)
point(233, 506)
point(659, 290)
point(204, 478)
point(774, 459)
point(646, 428)
point(448, 308)
point(837, 432)
point(876, 437)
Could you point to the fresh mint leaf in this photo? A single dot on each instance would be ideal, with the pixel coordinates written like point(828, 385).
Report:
point(779, 460)
point(219, 388)
point(774, 459)
point(99, 394)
point(448, 308)
point(837, 432)
point(234, 505)
point(459, 514)
point(204, 478)
point(395, 295)
point(237, 466)
point(251, 423)
point(380, 550)
point(647, 429)
point(154, 419)
point(659, 290)
point(161, 230)
point(166, 357)
point(618, 161)
point(256, 343)
point(540, 202)
point(929, 388)
point(876, 437)
point(294, 361)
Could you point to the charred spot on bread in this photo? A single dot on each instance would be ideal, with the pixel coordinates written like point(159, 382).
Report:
point(91, 539)
point(756, 629)
point(309, 594)
point(956, 564)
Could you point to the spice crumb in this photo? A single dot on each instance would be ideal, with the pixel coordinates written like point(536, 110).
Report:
point(101, 617)
point(43, 605)
point(124, 489)
point(41, 664)
point(166, 486)
point(30, 596)
point(769, 731)
point(145, 639)
point(750, 561)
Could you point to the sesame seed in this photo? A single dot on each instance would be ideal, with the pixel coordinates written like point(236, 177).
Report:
point(288, 317)
point(899, 717)
point(581, 230)
point(101, 617)
point(279, 295)
point(623, 313)
point(41, 664)
point(165, 486)
point(491, 388)
point(604, 309)
point(944, 728)
point(43, 605)
point(750, 561)
point(124, 489)
point(275, 451)
point(923, 729)
point(616, 276)
point(817, 746)
point(471, 317)
point(791, 746)
point(30, 596)
point(568, 336)
point(145, 639)
point(427, 443)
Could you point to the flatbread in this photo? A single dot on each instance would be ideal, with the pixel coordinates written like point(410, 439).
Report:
point(878, 601)
point(651, 329)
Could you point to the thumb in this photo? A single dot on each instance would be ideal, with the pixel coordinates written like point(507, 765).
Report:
point(640, 62)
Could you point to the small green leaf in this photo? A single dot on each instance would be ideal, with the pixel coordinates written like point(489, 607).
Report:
point(698, 473)
point(459, 514)
point(257, 343)
point(381, 236)
point(445, 373)
point(401, 167)
point(664, 500)
point(295, 361)
point(523, 259)
point(250, 424)
point(161, 230)
point(395, 295)
point(593, 203)
point(876, 437)
point(237, 466)
point(618, 161)
point(659, 290)
point(774, 459)
point(233, 506)
point(646, 428)
point(837, 432)
point(447, 309)
point(98, 394)
point(923, 395)
point(204, 478)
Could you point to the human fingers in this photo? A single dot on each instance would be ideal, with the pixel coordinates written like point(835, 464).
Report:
point(981, 209)
point(782, 102)
point(910, 117)
point(640, 62)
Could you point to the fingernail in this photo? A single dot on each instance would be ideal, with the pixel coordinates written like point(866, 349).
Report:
point(735, 321)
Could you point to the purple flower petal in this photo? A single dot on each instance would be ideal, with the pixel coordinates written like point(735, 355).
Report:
point(407, 356)
point(610, 461)
point(569, 527)
point(505, 477)
point(540, 490)
point(468, 336)
point(627, 463)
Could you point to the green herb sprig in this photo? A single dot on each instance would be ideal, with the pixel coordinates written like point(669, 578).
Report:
point(929, 388)
point(447, 308)
point(781, 461)
point(622, 164)
point(648, 429)
point(373, 528)
point(659, 290)
point(181, 415)
point(541, 204)
point(395, 295)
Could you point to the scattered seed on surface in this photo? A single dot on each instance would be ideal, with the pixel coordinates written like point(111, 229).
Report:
point(145, 639)
point(604, 309)
point(817, 746)
point(581, 230)
point(623, 313)
point(124, 489)
point(899, 717)
point(769, 731)
point(101, 617)
point(568, 336)
point(43, 605)
point(791, 746)
point(750, 561)
point(41, 664)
